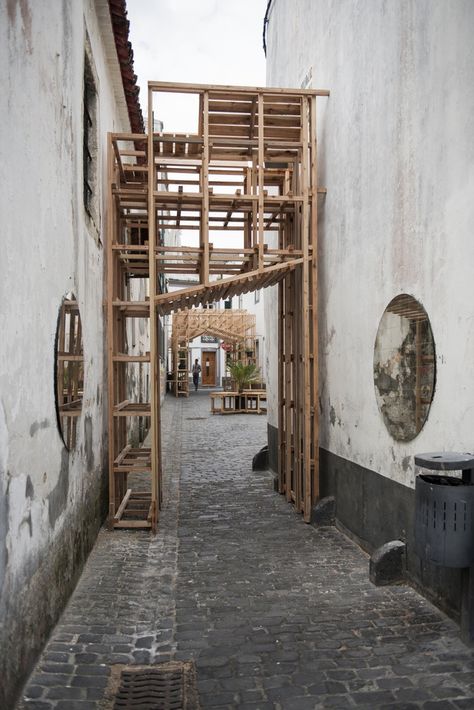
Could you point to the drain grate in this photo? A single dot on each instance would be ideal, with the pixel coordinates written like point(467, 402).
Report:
point(168, 686)
point(195, 419)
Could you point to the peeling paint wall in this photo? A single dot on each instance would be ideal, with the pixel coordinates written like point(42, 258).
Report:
point(397, 157)
point(51, 500)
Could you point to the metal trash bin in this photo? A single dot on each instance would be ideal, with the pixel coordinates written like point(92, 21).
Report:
point(444, 523)
point(444, 510)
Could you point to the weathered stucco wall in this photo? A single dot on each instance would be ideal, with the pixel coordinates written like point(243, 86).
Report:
point(397, 157)
point(257, 308)
point(50, 499)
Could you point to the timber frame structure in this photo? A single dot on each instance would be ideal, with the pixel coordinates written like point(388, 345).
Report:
point(248, 172)
point(235, 327)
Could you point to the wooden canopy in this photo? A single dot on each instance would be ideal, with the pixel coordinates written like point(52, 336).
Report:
point(229, 325)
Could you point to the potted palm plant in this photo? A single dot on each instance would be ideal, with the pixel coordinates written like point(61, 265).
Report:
point(242, 374)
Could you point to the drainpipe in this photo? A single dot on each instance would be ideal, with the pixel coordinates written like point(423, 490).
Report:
point(265, 23)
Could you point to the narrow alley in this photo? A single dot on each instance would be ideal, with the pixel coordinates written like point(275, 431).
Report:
point(274, 613)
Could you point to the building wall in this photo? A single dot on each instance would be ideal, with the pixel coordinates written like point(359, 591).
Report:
point(51, 500)
point(254, 302)
point(397, 158)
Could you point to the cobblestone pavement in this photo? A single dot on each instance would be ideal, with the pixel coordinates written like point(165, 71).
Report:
point(275, 613)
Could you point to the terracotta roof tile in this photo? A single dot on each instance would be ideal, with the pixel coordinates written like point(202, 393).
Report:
point(120, 24)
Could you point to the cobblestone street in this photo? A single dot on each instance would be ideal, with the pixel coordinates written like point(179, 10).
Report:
point(275, 613)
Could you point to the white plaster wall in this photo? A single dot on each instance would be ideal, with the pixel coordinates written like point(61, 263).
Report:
point(257, 308)
point(47, 251)
point(397, 157)
point(271, 353)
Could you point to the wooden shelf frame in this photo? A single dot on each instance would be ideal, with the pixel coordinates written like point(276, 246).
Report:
point(249, 170)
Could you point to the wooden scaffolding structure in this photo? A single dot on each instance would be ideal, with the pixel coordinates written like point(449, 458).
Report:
point(249, 171)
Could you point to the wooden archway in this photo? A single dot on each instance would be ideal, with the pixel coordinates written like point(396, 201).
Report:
point(233, 326)
point(249, 170)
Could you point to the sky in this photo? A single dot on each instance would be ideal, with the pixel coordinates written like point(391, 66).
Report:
point(195, 41)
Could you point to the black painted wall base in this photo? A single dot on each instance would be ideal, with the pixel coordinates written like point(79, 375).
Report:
point(375, 510)
point(372, 509)
point(272, 434)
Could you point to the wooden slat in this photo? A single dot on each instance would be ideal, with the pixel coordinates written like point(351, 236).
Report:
point(122, 506)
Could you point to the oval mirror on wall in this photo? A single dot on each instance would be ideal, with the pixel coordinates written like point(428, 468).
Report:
point(404, 367)
point(69, 369)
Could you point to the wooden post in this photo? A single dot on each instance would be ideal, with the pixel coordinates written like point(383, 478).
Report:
point(154, 343)
point(111, 227)
point(281, 389)
point(205, 193)
point(307, 484)
point(289, 403)
point(314, 303)
point(261, 184)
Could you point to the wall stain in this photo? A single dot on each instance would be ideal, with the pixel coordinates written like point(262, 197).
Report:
point(25, 12)
point(332, 415)
point(29, 522)
point(4, 527)
point(57, 499)
point(11, 9)
point(406, 461)
point(29, 491)
point(36, 426)
point(88, 445)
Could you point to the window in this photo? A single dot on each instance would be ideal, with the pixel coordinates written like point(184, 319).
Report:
point(90, 148)
point(404, 367)
point(257, 295)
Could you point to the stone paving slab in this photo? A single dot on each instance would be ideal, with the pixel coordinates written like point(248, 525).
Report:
point(275, 613)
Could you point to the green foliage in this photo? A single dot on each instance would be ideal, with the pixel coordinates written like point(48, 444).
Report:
point(243, 374)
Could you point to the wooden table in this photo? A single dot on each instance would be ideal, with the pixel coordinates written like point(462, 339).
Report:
point(245, 402)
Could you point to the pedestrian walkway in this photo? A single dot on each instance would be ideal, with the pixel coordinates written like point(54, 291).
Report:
point(275, 613)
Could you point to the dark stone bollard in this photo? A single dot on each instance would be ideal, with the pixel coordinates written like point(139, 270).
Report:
point(387, 564)
point(260, 460)
point(324, 512)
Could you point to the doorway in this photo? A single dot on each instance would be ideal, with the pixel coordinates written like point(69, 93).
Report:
point(208, 368)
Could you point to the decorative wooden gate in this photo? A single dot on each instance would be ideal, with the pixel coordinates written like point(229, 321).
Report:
point(249, 172)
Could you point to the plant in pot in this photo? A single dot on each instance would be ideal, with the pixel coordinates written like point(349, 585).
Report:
point(242, 374)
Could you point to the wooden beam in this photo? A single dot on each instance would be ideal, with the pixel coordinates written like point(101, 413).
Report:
point(154, 343)
point(314, 304)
